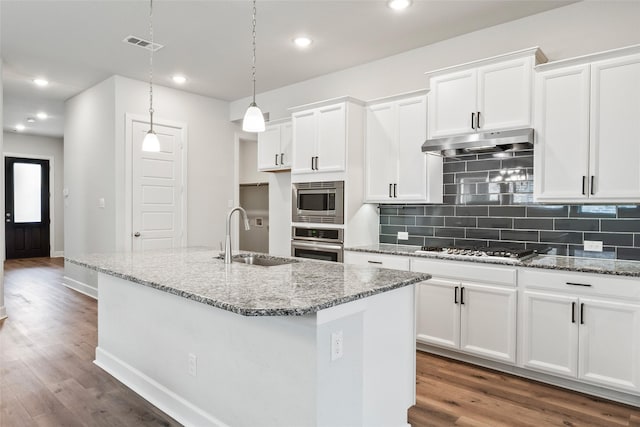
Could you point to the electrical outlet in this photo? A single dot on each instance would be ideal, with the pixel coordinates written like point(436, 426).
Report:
point(403, 235)
point(192, 367)
point(593, 245)
point(336, 345)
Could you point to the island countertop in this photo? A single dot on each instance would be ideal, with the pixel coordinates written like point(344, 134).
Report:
point(295, 289)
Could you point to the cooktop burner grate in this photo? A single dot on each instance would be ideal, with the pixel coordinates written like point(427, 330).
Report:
point(496, 252)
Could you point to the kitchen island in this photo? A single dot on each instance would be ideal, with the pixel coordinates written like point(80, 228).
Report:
point(305, 343)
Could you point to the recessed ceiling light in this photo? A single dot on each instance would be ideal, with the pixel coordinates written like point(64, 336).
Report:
point(31, 120)
point(42, 115)
point(302, 41)
point(399, 4)
point(20, 127)
point(179, 79)
point(41, 82)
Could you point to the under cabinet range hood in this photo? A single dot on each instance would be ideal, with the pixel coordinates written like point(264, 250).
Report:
point(481, 142)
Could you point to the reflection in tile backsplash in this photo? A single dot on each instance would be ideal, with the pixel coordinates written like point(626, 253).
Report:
point(488, 201)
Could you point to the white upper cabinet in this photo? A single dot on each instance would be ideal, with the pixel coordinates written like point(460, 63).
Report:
point(561, 147)
point(396, 170)
point(586, 114)
point(274, 147)
point(614, 141)
point(452, 101)
point(320, 139)
point(488, 95)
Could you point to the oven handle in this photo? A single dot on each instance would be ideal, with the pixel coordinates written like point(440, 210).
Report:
point(316, 245)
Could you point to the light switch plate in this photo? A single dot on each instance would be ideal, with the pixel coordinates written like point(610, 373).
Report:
point(403, 235)
point(593, 245)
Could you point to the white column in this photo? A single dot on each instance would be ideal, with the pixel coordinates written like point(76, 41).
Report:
point(3, 310)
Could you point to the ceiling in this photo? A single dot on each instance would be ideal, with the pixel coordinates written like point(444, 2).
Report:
point(76, 44)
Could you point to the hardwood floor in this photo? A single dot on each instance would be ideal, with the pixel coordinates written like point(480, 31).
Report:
point(456, 393)
point(47, 346)
point(47, 377)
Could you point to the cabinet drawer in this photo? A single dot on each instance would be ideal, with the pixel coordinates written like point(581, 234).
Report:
point(465, 271)
point(394, 262)
point(581, 283)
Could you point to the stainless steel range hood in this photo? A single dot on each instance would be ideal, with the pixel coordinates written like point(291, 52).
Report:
point(487, 142)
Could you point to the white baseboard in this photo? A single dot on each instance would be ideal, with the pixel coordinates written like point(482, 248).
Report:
point(158, 395)
point(3, 312)
point(57, 254)
point(78, 286)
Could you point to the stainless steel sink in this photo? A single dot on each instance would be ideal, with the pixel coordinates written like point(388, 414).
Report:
point(265, 261)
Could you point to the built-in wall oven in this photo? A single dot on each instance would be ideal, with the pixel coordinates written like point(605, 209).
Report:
point(317, 243)
point(318, 202)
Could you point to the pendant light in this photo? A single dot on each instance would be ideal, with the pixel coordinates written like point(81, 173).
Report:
point(253, 119)
point(150, 141)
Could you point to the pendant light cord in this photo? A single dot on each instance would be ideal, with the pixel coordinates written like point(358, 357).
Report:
point(151, 66)
point(253, 70)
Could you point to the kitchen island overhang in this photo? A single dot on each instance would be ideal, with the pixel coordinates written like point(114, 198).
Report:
point(204, 364)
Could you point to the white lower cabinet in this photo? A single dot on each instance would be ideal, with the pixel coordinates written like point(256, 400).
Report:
point(477, 318)
point(592, 335)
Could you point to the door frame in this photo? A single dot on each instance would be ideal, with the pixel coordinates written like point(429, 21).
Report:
point(52, 199)
point(130, 118)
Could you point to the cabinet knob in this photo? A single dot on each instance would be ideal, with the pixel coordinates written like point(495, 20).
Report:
point(137, 234)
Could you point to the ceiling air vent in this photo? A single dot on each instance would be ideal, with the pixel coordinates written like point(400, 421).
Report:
point(140, 42)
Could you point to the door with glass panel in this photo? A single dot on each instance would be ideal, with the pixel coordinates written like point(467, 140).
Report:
point(26, 207)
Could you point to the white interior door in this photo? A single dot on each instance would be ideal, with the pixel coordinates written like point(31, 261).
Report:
point(157, 189)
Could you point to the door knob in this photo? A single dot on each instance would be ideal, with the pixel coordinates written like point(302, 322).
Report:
point(137, 234)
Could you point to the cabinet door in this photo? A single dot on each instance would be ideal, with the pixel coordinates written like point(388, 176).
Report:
point(286, 143)
point(437, 314)
point(504, 94)
point(451, 101)
point(561, 154)
point(304, 141)
point(550, 333)
point(610, 344)
point(488, 321)
point(380, 152)
point(615, 148)
point(269, 149)
point(332, 139)
point(412, 162)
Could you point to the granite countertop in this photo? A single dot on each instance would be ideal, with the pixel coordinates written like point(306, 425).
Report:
point(550, 262)
point(296, 289)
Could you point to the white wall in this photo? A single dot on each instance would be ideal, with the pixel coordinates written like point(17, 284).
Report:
point(280, 213)
point(3, 310)
point(577, 29)
point(94, 166)
point(248, 163)
point(210, 164)
point(36, 145)
point(88, 175)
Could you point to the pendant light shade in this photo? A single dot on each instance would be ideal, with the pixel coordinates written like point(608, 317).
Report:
point(150, 141)
point(253, 120)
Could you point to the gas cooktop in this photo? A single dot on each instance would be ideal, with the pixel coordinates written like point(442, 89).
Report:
point(501, 253)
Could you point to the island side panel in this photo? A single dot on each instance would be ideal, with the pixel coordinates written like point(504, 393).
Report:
point(250, 370)
point(373, 383)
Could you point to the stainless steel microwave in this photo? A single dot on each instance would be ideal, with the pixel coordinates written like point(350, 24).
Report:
point(318, 202)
